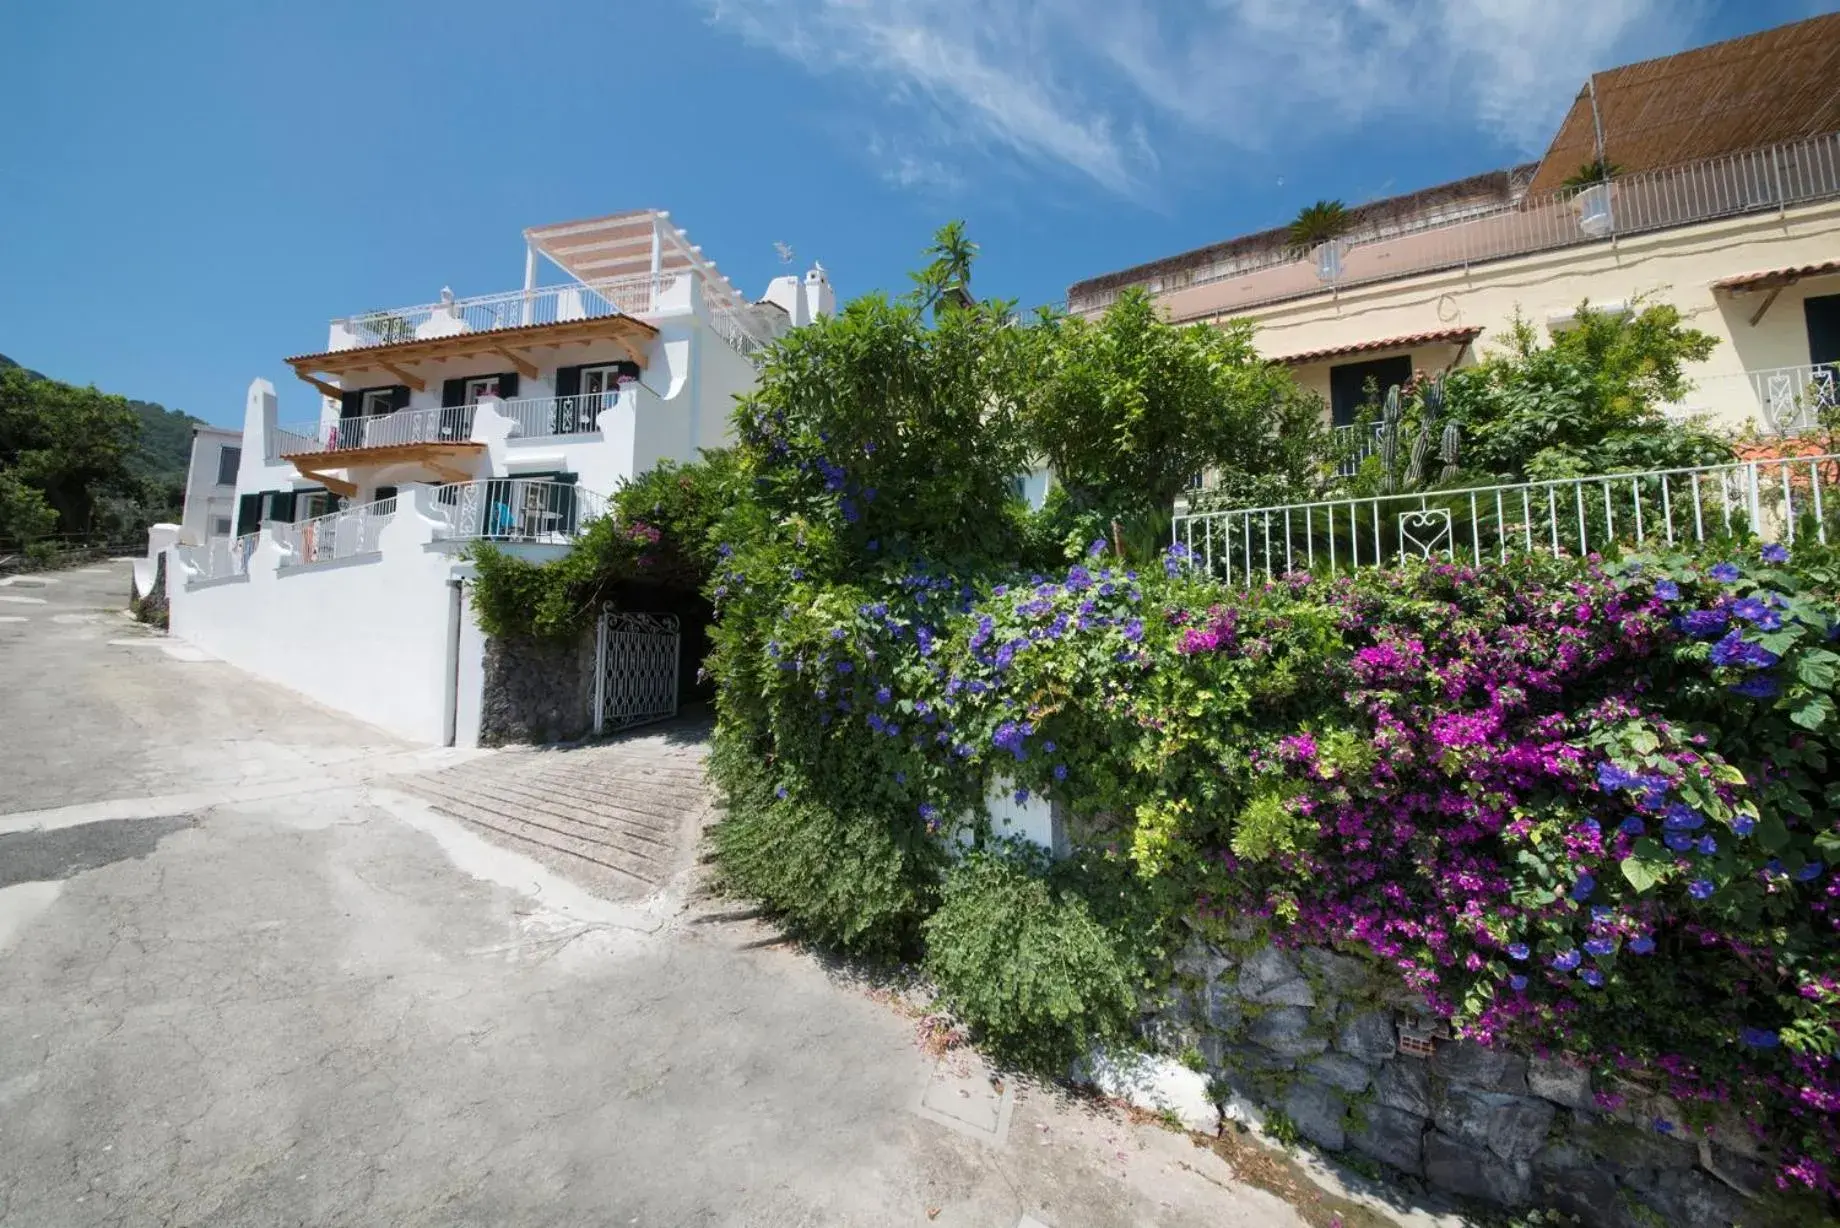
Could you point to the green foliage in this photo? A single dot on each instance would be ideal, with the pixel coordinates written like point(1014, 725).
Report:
point(1027, 964)
point(1317, 224)
point(1597, 170)
point(24, 514)
point(1126, 409)
point(1589, 402)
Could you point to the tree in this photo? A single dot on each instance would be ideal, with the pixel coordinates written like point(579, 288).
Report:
point(71, 444)
point(1129, 408)
point(947, 278)
point(1317, 224)
point(24, 514)
point(1589, 402)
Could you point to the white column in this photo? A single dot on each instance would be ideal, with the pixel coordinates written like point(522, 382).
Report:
point(530, 278)
point(657, 259)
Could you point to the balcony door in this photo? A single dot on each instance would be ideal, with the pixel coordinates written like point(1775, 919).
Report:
point(1822, 313)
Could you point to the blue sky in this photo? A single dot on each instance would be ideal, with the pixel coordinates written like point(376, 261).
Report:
point(191, 191)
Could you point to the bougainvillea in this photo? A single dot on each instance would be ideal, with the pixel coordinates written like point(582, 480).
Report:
point(1580, 807)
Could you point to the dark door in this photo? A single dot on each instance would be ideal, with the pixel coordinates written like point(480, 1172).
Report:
point(1823, 315)
point(1348, 384)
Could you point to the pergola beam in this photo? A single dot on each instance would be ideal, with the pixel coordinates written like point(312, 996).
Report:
point(523, 366)
point(414, 381)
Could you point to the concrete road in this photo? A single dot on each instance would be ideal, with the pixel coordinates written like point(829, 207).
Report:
point(245, 981)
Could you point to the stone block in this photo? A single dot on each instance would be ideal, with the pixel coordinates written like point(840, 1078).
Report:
point(1474, 1172)
point(1343, 975)
point(1339, 1070)
point(1684, 1196)
point(1405, 1084)
point(1368, 1035)
point(1270, 977)
point(1745, 1174)
point(1561, 1083)
point(1319, 1112)
point(1513, 1127)
point(1391, 1136)
point(1634, 1147)
point(1465, 1061)
point(1588, 1193)
point(1201, 960)
point(1285, 1030)
point(1221, 1005)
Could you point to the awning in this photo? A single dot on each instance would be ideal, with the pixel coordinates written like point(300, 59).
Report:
point(621, 245)
point(1410, 341)
point(1776, 279)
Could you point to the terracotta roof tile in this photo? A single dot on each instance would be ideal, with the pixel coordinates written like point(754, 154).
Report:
point(1776, 277)
point(1443, 336)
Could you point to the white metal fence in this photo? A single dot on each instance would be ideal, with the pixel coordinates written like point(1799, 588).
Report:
point(1776, 499)
point(1354, 444)
point(631, 296)
point(219, 558)
point(1792, 398)
point(453, 424)
point(538, 417)
point(337, 535)
point(516, 510)
point(1770, 177)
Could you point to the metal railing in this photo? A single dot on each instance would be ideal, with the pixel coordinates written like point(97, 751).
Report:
point(337, 535)
point(1775, 499)
point(1755, 180)
point(1353, 444)
point(537, 417)
point(582, 300)
point(516, 510)
point(219, 558)
point(453, 424)
point(1791, 399)
point(744, 333)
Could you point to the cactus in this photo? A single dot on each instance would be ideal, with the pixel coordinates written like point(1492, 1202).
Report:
point(1448, 454)
point(1429, 403)
point(1389, 439)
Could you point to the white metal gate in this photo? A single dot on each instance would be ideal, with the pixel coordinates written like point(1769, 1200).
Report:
point(635, 672)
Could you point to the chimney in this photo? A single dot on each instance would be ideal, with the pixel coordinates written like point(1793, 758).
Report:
point(820, 299)
point(784, 292)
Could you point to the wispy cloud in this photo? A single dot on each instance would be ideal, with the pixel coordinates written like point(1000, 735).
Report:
point(1105, 88)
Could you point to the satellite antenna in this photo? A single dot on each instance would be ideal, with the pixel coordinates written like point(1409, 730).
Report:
point(784, 250)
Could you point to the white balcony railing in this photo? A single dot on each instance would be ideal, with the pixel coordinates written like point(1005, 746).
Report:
point(219, 558)
point(1353, 444)
point(1775, 499)
point(337, 535)
point(1756, 180)
point(540, 417)
point(516, 510)
point(632, 296)
point(405, 426)
point(1790, 399)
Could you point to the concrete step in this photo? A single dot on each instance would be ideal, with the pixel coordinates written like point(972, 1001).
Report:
point(601, 857)
point(637, 848)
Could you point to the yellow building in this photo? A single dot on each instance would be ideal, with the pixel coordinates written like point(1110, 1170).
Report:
point(1724, 201)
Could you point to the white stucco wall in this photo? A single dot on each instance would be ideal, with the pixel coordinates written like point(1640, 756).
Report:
point(366, 635)
point(205, 497)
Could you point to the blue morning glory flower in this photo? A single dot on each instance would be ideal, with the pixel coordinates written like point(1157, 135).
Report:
point(1022, 795)
point(883, 695)
point(1565, 961)
point(1809, 872)
point(1632, 826)
point(844, 667)
point(1759, 1038)
point(1599, 946)
point(1642, 945)
point(1708, 846)
point(1681, 817)
point(1663, 1126)
point(1060, 771)
point(1517, 950)
point(1701, 889)
point(1757, 686)
point(1517, 982)
point(1678, 841)
point(1775, 553)
point(1702, 624)
point(1749, 609)
point(1049, 747)
point(1724, 573)
point(900, 778)
point(1667, 590)
point(1134, 630)
point(1744, 825)
point(780, 793)
point(1592, 977)
point(1613, 776)
point(1582, 889)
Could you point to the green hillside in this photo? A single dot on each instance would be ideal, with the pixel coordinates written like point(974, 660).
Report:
point(165, 446)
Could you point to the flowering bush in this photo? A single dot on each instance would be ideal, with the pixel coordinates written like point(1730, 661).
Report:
point(1580, 807)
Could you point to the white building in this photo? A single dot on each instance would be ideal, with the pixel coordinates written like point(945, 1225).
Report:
point(210, 484)
point(506, 417)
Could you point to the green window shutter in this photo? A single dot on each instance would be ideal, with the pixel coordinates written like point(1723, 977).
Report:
point(351, 404)
point(399, 397)
point(568, 381)
point(453, 393)
point(248, 513)
point(508, 385)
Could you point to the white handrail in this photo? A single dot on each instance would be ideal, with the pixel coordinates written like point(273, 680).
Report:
point(453, 424)
point(1773, 498)
point(337, 535)
point(541, 417)
point(219, 558)
point(582, 300)
point(516, 510)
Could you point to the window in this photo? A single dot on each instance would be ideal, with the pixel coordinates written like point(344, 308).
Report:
point(228, 461)
point(1822, 314)
point(311, 503)
point(377, 401)
point(1348, 384)
point(481, 388)
point(220, 526)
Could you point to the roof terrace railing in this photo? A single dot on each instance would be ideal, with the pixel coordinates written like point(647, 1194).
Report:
point(631, 296)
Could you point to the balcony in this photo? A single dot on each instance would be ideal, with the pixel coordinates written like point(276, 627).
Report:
point(403, 428)
point(516, 510)
point(1758, 180)
point(452, 317)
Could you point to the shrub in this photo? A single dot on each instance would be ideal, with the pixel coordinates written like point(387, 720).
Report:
point(1027, 964)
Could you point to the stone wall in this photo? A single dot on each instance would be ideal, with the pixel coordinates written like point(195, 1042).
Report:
point(1348, 1056)
point(537, 690)
point(150, 607)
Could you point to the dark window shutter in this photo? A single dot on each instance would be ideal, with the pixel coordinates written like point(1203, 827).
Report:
point(399, 397)
point(627, 370)
point(507, 385)
point(280, 506)
point(568, 381)
point(248, 513)
point(385, 492)
point(351, 404)
point(453, 393)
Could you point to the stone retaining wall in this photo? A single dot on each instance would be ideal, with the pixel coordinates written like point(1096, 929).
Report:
point(1318, 1036)
point(537, 690)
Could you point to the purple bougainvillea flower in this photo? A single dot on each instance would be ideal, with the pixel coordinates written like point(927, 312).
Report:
point(1642, 944)
point(1759, 1038)
point(1582, 889)
point(1775, 553)
point(1517, 950)
point(1667, 590)
point(1701, 889)
point(1724, 573)
point(1565, 961)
